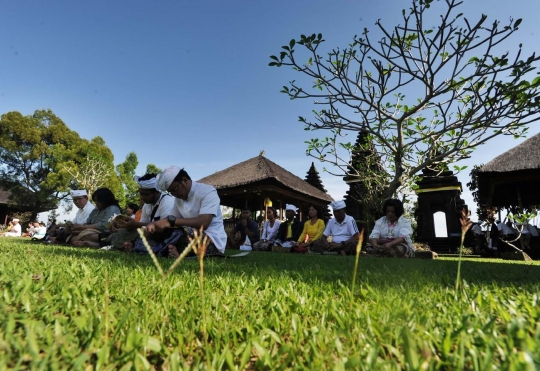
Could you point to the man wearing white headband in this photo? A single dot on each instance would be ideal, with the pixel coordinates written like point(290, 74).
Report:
point(196, 205)
point(157, 205)
point(15, 231)
point(291, 228)
point(344, 232)
point(80, 200)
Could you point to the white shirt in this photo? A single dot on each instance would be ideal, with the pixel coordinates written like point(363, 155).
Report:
point(269, 233)
point(15, 231)
point(165, 205)
point(82, 214)
point(341, 231)
point(203, 199)
point(402, 228)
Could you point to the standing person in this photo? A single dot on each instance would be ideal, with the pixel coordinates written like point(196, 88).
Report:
point(197, 205)
point(15, 231)
point(344, 232)
point(392, 233)
point(270, 230)
point(247, 228)
point(291, 228)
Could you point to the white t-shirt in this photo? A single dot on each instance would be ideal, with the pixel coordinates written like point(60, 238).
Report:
point(341, 231)
point(269, 233)
point(165, 207)
point(15, 231)
point(203, 199)
point(82, 214)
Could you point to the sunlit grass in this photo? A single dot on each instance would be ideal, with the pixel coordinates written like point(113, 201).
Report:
point(63, 307)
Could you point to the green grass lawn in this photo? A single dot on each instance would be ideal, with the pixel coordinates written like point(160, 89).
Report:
point(82, 309)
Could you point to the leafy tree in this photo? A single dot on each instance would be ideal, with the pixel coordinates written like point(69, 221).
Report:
point(153, 169)
point(93, 168)
point(462, 93)
point(32, 149)
point(126, 173)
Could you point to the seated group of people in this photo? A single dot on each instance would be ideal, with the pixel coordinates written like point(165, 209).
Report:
point(36, 230)
point(391, 235)
point(174, 208)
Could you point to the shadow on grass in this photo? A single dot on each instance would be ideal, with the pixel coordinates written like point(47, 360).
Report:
point(317, 269)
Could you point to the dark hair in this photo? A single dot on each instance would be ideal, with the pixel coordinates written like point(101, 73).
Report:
point(319, 211)
point(181, 175)
point(105, 197)
point(397, 204)
point(133, 207)
point(273, 210)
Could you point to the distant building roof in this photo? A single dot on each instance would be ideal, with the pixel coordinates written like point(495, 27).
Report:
point(512, 178)
point(258, 169)
point(525, 156)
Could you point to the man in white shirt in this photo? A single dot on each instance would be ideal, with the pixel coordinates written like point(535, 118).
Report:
point(15, 230)
point(344, 232)
point(196, 205)
point(84, 206)
point(157, 205)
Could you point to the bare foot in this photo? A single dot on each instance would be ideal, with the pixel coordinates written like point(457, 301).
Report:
point(128, 246)
point(173, 252)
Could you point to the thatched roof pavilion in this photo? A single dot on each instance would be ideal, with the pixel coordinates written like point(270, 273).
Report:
point(250, 183)
point(512, 178)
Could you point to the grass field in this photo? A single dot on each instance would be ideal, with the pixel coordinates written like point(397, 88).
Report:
point(83, 309)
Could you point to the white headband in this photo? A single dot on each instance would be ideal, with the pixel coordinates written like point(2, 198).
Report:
point(166, 177)
point(78, 193)
point(147, 184)
point(338, 205)
point(291, 207)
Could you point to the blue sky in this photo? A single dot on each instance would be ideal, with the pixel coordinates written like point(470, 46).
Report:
point(187, 82)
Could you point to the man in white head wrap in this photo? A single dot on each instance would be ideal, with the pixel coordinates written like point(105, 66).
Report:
point(196, 205)
point(157, 204)
point(16, 230)
point(291, 229)
point(84, 206)
point(344, 232)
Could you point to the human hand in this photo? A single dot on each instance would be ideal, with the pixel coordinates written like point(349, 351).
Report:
point(157, 226)
point(244, 222)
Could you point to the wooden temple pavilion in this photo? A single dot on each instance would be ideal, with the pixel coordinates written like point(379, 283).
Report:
point(258, 182)
point(512, 178)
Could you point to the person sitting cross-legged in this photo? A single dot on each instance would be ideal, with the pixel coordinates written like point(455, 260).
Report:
point(98, 223)
point(289, 230)
point(343, 230)
point(270, 231)
point(313, 230)
point(197, 206)
point(391, 235)
point(157, 205)
point(247, 228)
point(15, 230)
point(59, 232)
